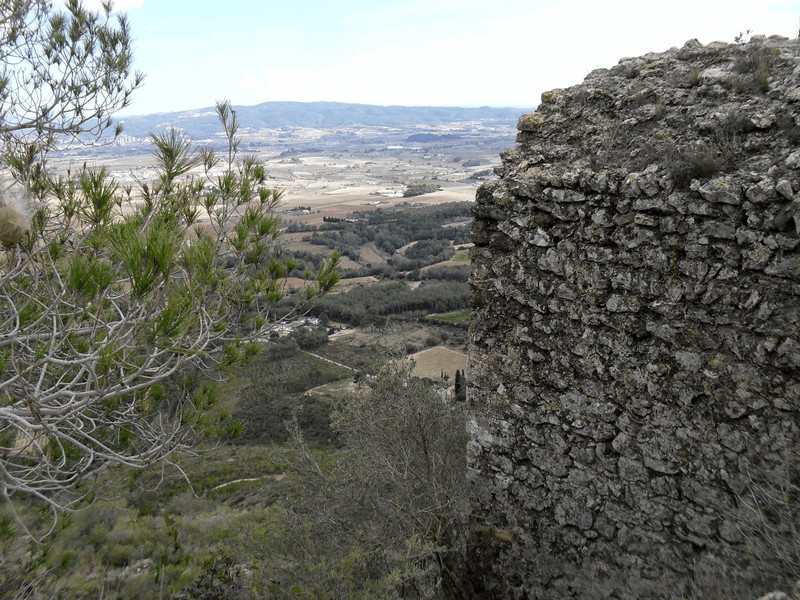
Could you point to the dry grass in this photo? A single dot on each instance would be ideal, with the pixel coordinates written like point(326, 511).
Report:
point(433, 361)
point(335, 388)
point(446, 263)
point(345, 285)
point(296, 283)
point(370, 255)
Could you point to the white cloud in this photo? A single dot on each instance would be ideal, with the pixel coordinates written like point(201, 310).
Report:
point(436, 72)
point(512, 60)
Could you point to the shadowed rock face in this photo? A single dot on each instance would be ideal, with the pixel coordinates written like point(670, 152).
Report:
point(635, 346)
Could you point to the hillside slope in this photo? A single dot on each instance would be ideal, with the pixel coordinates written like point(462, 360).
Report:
point(325, 115)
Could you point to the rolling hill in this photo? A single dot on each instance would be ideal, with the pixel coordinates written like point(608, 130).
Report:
point(323, 115)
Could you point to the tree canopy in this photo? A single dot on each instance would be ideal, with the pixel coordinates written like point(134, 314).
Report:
point(106, 290)
point(384, 516)
point(63, 74)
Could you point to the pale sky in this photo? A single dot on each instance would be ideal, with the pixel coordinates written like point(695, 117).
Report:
point(410, 52)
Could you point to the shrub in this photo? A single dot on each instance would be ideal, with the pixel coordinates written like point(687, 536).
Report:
point(698, 161)
point(419, 189)
point(753, 65)
point(694, 78)
point(384, 516)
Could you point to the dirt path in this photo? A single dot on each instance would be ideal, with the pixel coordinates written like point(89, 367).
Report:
point(333, 362)
point(227, 483)
point(242, 480)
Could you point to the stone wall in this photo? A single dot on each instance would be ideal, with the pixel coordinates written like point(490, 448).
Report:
point(635, 358)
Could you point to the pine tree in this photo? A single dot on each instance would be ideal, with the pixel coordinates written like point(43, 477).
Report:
point(461, 386)
point(107, 292)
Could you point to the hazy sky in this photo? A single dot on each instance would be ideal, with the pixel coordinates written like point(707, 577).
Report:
point(410, 52)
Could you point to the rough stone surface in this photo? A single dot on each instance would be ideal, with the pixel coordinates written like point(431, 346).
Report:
point(635, 348)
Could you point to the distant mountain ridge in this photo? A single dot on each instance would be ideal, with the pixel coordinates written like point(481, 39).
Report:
point(324, 115)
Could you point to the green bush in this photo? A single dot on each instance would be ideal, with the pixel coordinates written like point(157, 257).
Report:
point(420, 189)
point(383, 516)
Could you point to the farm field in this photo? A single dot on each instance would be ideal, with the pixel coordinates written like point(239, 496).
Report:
point(433, 362)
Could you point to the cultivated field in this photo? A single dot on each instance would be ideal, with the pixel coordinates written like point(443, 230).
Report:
point(434, 361)
point(327, 174)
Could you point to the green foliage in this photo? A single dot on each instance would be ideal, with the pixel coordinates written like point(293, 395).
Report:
point(174, 153)
point(459, 317)
point(88, 276)
point(99, 193)
point(420, 189)
point(310, 337)
point(145, 251)
point(256, 508)
point(390, 229)
point(460, 386)
point(65, 73)
point(440, 250)
point(385, 519)
point(108, 298)
point(272, 394)
point(447, 273)
point(361, 305)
